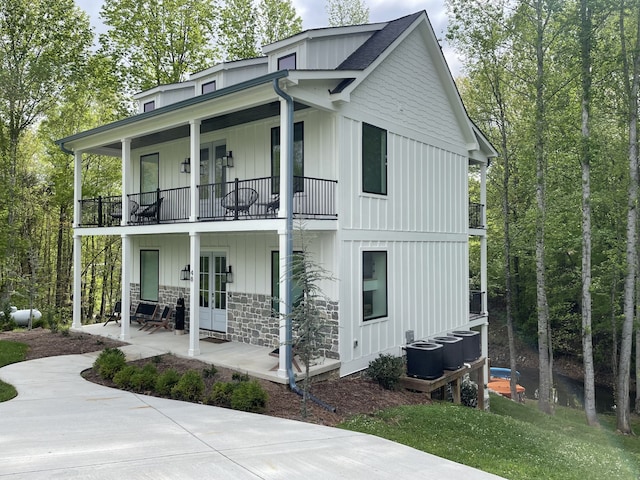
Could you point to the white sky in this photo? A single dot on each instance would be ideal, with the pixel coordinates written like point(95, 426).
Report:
point(314, 15)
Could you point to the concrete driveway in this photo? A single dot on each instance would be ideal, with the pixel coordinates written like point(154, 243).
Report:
point(61, 426)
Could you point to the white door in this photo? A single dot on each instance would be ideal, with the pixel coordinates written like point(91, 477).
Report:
point(213, 292)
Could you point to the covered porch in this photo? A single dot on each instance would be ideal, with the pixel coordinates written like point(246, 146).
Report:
point(251, 359)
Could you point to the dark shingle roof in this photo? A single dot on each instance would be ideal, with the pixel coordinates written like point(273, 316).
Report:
point(377, 43)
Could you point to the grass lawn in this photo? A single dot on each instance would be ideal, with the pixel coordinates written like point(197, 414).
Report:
point(10, 352)
point(514, 441)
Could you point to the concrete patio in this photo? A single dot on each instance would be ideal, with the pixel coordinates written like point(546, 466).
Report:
point(251, 359)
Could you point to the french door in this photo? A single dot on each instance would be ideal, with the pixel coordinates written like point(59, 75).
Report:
point(213, 292)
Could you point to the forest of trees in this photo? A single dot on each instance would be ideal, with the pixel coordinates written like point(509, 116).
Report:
point(554, 84)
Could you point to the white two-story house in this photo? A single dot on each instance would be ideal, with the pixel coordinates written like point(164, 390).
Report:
point(359, 133)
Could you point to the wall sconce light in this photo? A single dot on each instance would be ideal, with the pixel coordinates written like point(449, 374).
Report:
point(185, 273)
point(227, 160)
point(185, 166)
point(229, 275)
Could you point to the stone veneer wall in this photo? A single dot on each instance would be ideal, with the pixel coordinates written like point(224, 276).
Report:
point(167, 296)
point(249, 319)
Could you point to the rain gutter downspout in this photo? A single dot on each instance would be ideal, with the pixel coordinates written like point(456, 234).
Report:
point(289, 249)
point(65, 149)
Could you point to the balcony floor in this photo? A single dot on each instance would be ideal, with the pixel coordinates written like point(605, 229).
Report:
point(242, 357)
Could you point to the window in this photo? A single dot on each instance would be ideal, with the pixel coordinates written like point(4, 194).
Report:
point(287, 62)
point(298, 158)
point(374, 159)
point(149, 178)
point(149, 106)
point(149, 275)
point(209, 87)
point(374, 285)
point(275, 281)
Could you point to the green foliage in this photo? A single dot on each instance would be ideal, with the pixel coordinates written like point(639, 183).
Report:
point(122, 379)
point(190, 387)
point(209, 372)
point(249, 397)
point(347, 12)
point(145, 379)
point(278, 19)
point(155, 43)
point(220, 395)
point(386, 370)
point(515, 441)
point(240, 377)
point(109, 362)
point(166, 381)
point(239, 29)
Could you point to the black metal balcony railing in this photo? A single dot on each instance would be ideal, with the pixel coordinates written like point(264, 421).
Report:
point(237, 200)
point(475, 302)
point(476, 215)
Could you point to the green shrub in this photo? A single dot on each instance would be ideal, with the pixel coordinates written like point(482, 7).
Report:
point(122, 379)
point(210, 371)
point(166, 381)
point(190, 387)
point(249, 397)
point(386, 370)
point(109, 362)
point(240, 377)
point(145, 379)
point(220, 395)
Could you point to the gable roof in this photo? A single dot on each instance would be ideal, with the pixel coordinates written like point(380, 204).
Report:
point(377, 43)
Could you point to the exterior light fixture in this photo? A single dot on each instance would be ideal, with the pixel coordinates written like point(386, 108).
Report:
point(227, 160)
point(185, 273)
point(229, 275)
point(185, 166)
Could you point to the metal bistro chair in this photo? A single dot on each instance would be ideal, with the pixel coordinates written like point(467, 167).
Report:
point(239, 201)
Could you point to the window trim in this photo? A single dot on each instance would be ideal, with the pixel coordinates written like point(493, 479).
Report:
point(368, 320)
point(286, 58)
point(149, 106)
point(385, 172)
point(206, 84)
point(156, 276)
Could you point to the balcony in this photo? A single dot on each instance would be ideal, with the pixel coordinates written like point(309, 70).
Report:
point(476, 215)
point(236, 200)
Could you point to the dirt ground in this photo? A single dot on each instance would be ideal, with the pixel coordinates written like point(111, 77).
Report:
point(349, 395)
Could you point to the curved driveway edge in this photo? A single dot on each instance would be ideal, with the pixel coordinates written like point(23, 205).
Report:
point(62, 426)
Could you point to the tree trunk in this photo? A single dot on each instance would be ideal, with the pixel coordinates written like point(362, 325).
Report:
point(542, 305)
point(587, 344)
point(623, 410)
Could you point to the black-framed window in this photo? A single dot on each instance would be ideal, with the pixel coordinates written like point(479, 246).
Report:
point(374, 285)
point(149, 106)
point(374, 159)
point(288, 62)
point(298, 158)
point(149, 275)
point(275, 281)
point(149, 177)
point(209, 87)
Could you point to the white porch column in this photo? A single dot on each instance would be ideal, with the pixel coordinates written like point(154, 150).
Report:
point(77, 280)
point(194, 284)
point(285, 251)
point(284, 296)
point(127, 181)
point(77, 188)
point(195, 170)
point(127, 262)
point(483, 239)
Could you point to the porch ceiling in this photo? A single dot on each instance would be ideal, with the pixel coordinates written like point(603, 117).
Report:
point(240, 117)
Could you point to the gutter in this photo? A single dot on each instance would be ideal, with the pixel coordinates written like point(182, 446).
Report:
point(289, 250)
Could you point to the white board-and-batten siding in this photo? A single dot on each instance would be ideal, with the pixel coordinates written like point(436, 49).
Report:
point(422, 221)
